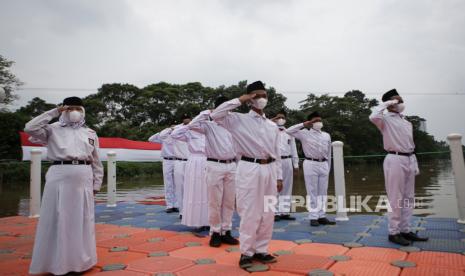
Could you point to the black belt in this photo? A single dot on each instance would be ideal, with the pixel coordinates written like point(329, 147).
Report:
point(169, 158)
point(71, 162)
point(259, 161)
point(221, 161)
point(401, 153)
point(317, 160)
point(180, 159)
point(285, 157)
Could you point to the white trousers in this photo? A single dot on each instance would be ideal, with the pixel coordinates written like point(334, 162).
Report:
point(168, 181)
point(221, 195)
point(316, 181)
point(65, 236)
point(179, 171)
point(399, 177)
point(253, 183)
point(284, 200)
point(195, 199)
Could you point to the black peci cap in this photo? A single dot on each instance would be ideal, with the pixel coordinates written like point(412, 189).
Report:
point(312, 115)
point(388, 95)
point(282, 111)
point(73, 101)
point(258, 85)
point(220, 100)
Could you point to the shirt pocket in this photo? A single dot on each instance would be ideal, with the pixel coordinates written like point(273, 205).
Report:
point(88, 144)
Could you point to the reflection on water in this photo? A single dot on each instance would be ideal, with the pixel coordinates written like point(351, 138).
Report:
point(434, 191)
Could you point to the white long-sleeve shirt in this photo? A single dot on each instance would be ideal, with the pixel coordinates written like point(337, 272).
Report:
point(397, 131)
point(315, 143)
point(253, 134)
point(65, 143)
point(288, 147)
point(195, 141)
point(180, 146)
point(218, 141)
point(164, 137)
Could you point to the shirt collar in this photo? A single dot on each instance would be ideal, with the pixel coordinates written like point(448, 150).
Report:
point(394, 114)
point(255, 114)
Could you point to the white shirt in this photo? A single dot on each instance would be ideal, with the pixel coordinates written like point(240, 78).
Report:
point(218, 141)
point(164, 137)
point(180, 147)
point(397, 131)
point(195, 141)
point(287, 146)
point(65, 143)
point(253, 134)
point(315, 143)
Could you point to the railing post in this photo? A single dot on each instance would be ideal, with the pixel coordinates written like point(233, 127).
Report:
point(458, 167)
point(111, 179)
point(34, 190)
point(339, 180)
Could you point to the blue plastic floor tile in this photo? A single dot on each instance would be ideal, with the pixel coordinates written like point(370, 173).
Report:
point(441, 245)
point(290, 236)
point(337, 238)
point(378, 241)
point(442, 234)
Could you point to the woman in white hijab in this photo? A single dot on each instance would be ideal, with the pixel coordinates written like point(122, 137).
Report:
point(65, 236)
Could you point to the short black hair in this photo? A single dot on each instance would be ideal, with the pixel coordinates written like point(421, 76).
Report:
point(220, 100)
point(186, 116)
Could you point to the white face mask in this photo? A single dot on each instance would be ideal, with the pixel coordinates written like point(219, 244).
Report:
point(317, 126)
point(75, 116)
point(281, 122)
point(400, 107)
point(260, 103)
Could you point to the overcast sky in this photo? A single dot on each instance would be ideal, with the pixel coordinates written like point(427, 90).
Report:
point(295, 46)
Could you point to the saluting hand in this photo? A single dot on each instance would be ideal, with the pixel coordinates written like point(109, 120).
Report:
point(62, 108)
point(246, 97)
point(309, 123)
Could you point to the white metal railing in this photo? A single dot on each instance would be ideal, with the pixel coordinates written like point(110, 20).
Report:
point(458, 167)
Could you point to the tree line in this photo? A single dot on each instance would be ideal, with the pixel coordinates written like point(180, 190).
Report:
point(127, 111)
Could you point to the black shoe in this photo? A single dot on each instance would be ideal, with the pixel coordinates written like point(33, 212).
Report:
point(325, 221)
point(398, 239)
point(169, 210)
point(245, 261)
point(201, 229)
point(176, 210)
point(314, 222)
point(277, 218)
point(413, 237)
point(215, 240)
point(286, 217)
point(264, 258)
point(228, 239)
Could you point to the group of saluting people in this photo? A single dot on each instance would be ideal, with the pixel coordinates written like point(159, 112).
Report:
point(216, 163)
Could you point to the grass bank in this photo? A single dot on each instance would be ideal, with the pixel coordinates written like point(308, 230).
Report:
point(18, 172)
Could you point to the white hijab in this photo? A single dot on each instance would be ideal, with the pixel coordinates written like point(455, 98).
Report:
point(64, 120)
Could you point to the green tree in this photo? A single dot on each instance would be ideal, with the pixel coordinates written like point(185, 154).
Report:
point(8, 80)
point(35, 107)
point(346, 119)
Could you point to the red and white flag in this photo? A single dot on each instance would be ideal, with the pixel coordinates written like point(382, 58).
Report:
point(126, 150)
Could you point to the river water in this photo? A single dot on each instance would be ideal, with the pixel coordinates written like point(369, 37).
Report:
point(434, 190)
